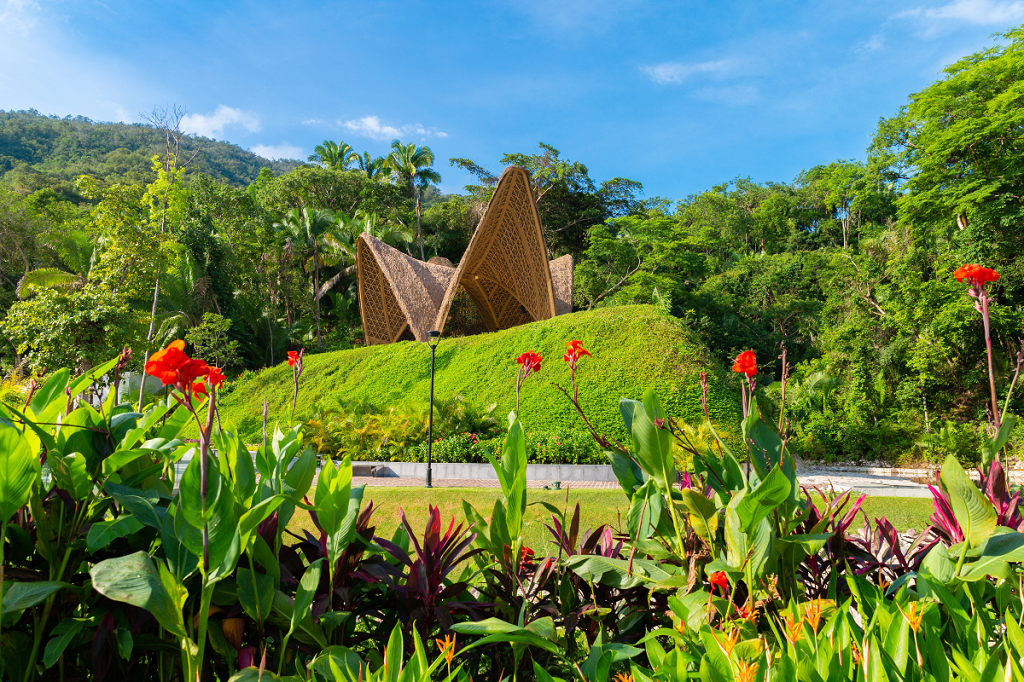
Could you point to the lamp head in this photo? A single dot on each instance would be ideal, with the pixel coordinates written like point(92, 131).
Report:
point(433, 338)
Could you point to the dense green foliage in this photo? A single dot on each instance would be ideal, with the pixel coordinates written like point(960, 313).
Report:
point(847, 268)
point(632, 347)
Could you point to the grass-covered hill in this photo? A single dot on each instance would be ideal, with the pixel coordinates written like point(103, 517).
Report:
point(634, 347)
point(40, 150)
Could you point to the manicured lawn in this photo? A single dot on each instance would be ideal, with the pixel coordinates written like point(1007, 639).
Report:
point(596, 507)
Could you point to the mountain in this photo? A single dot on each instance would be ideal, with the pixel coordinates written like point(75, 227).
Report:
point(42, 151)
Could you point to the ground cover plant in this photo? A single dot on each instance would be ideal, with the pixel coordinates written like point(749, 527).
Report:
point(726, 570)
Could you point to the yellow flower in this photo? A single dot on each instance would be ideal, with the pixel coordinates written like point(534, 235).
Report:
point(447, 647)
point(914, 616)
point(747, 671)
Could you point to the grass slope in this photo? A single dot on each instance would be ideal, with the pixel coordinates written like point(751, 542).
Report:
point(634, 347)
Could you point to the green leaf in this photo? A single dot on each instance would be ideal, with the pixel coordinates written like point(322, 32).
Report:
point(756, 504)
point(990, 448)
point(19, 469)
point(393, 655)
point(103, 533)
point(513, 465)
point(703, 515)
point(49, 399)
point(138, 506)
point(996, 551)
point(653, 445)
point(305, 593)
point(21, 596)
point(645, 511)
point(346, 661)
point(120, 458)
point(976, 515)
point(255, 593)
point(135, 580)
point(70, 474)
point(938, 564)
point(65, 632)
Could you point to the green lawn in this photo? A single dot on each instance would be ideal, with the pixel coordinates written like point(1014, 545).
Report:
point(596, 507)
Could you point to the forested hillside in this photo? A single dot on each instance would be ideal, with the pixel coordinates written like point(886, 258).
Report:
point(39, 151)
point(846, 270)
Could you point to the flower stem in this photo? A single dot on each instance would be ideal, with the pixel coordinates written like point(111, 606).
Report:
point(991, 371)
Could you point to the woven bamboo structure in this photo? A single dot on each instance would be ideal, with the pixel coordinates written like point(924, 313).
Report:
point(505, 272)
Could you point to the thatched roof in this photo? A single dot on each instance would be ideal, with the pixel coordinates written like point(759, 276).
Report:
point(505, 271)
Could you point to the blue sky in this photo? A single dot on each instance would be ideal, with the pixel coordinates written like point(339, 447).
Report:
point(677, 95)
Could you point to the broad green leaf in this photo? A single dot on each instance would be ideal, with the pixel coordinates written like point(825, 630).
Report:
point(616, 572)
point(64, 632)
point(703, 515)
point(653, 445)
point(645, 511)
point(21, 596)
point(255, 593)
point(991, 447)
point(19, 469)
point(299, 477)
point(996, 551)
point(71, 474)
point(975, 514)
point(393, 655)
point(304, 594)
point(513, 465)
point(103, 533)
point(50, 398)
point(120, 458)
point(135, 580)
point(137, 505)
point(756, 504)
point(346, 662)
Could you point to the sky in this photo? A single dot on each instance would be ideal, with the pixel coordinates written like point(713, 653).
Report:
point(679, 96)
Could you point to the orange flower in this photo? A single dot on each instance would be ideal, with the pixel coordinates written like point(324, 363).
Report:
point(718, 579)
point(526, 556)
point(164, 364)
point(813, 614)
point(747, 614)
point(215, 377)
point(447, 647)
point(623, 677)
point(794, 629)
point(746, 363)
point(529, 361)
point(747, 671)
point(731, 640)
point(975, 275)
point(173, 368)
point(575, 352)
point(293, 357)
point(913, 616)
point(199, 388)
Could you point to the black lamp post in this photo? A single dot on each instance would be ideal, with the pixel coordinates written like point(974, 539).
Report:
point(433, 338)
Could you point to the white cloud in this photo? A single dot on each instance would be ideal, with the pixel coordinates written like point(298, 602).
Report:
point(980, 12)
point(278, 151)
point(872, 45)
point(312, 121)
point(677, 72)
point(18, 15)
point(373, 128)
point(213, 125)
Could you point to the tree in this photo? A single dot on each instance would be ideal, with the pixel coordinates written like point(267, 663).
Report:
point(374, 168)
point(334, 155)
point(210, 341)
point(411, 167)
point(304, 232)
point(340, 243)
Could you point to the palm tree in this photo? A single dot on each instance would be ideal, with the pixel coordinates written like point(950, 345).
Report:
point(411, 167)
point(306, 232)
point(373, 167)
point(78, 253)
point(334, 155)
point(342, 241)
point(186, 293)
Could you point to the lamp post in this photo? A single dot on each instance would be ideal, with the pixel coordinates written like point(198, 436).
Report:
point(433, 338)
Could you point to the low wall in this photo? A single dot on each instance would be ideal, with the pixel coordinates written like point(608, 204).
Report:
point(484, 472)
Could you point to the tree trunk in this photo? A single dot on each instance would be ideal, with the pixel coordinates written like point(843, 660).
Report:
point(149, 339)
point(316, 289)
point(419, 233)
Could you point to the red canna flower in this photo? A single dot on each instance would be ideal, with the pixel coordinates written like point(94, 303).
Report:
point(575, 352)
point(718, 579)
point(746, 363)
point(215, 377)
point(529, 361)
point(975, 275)
point(173, 368)
point(165, 363)
point(293, 357)
point(526, 556)
point(199, 388)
